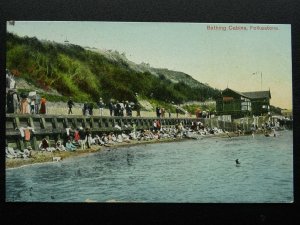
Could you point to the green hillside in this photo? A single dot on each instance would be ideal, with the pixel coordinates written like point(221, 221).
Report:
point(86, 75)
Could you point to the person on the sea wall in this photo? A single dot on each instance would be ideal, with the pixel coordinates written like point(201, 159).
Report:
point(32, 106)
point(24, 104)
point(163, 112)
point(197, 112)
point(37, 103)
point(138, 109)
point(101, 106)
point(70, 105)
point(12, 101)
point(91, 107)
point(85, 109)
point(111, 108)
point(43, 106)
point(177, 111)
point(128, 109)
point(158, 111)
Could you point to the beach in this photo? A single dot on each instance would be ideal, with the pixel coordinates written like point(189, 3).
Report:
point(45, 156)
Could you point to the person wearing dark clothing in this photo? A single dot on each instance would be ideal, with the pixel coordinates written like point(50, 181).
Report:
point(111, 108)
point(88, 135)
point(91, 106)
point(128, 109)
point(12, 101)
point(118, 109)
point(43, 106)
point(157, 111)
point(70, 105)
point(85, 109)
point(177, 111)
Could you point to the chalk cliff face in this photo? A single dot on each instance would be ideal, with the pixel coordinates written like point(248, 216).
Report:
point(162, 73)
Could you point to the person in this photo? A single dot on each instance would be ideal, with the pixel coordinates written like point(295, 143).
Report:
point(158, 125)
point(60, 146)
point(88, 137)
point(43, 106)
point(12, 101)
point(155, 125)
point(82, 136)
point(44, 145)
point(111, 108)
point(70, 105)
point(177, 111)
point(118, 109)
point(76, 135)
point(128, 109)
point(138, 109)
point(91, 107)
point(70, 146)
point(37, 103)
point(163, 112)
point(24, 105)
point(32, 106)
point(85, 109)
point(237, 162)
point(101, 106)
point(158, 111)
point(197, 112)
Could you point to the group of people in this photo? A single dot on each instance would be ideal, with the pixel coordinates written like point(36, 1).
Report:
point(81, 138)
point(115, 108)
point(123, 108)
point(24, 104)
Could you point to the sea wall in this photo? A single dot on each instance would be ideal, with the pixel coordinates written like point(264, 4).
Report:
point(53, 127)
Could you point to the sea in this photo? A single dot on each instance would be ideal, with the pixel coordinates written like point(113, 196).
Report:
point(189, 171)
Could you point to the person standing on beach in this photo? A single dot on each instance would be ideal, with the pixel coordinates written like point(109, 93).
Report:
point(70, 105)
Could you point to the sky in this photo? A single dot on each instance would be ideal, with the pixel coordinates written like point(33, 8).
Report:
point(239, 56)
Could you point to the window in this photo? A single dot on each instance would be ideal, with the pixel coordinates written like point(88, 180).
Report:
point(246, 106)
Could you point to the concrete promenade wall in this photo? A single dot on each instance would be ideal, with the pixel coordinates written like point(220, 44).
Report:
point(53, 127)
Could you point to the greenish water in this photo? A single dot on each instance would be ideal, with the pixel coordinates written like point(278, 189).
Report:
point(200, 171)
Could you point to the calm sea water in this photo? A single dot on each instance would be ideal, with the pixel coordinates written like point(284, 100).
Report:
point(200, 171)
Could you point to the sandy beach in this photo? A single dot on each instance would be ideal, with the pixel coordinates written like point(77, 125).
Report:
point(43, 156)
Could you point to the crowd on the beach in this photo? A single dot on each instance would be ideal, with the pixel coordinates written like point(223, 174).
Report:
point(81, 139)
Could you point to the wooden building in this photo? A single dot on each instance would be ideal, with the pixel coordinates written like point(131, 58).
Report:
point(240, 104)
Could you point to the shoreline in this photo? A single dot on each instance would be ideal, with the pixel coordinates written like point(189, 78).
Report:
point(39, 157)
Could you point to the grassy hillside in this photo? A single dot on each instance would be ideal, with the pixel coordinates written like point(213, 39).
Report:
point(86, 75)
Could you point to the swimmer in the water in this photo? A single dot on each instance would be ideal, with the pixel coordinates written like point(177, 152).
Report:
point(237, 163)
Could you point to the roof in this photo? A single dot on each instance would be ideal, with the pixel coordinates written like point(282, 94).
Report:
point(239, 93)
point(257, 94)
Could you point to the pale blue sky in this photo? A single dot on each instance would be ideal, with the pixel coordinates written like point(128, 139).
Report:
point(216, 57)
